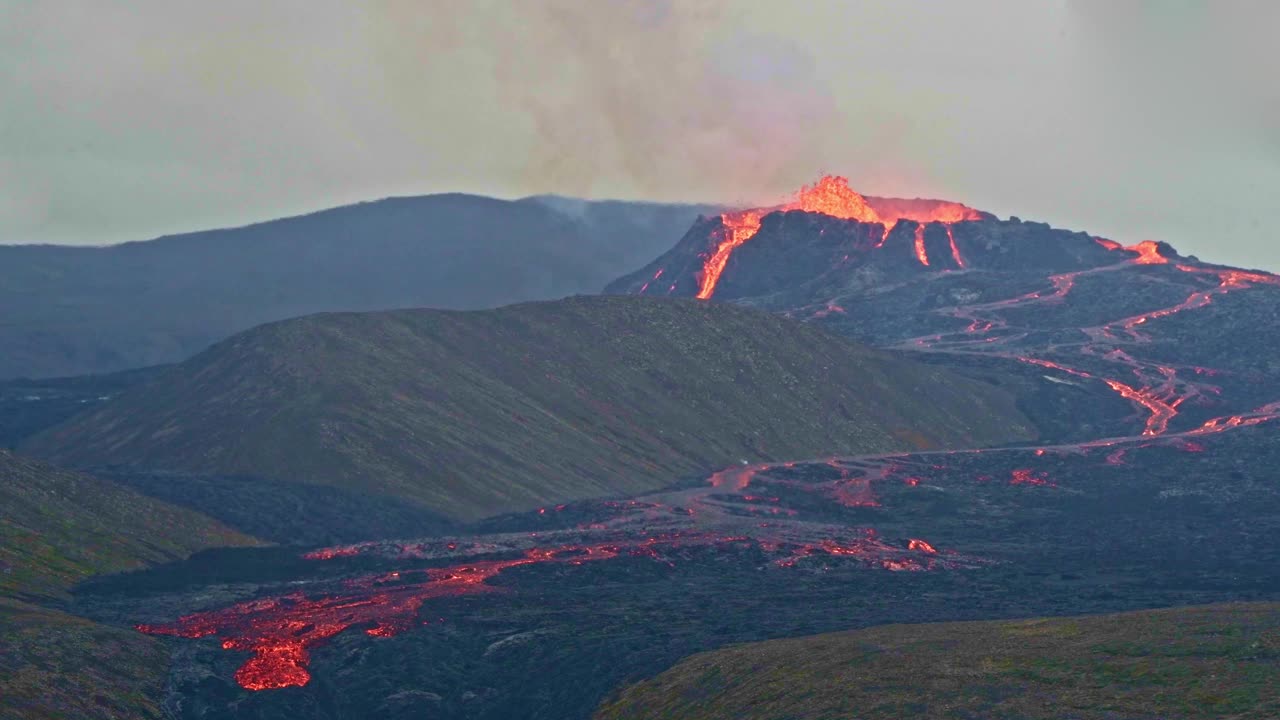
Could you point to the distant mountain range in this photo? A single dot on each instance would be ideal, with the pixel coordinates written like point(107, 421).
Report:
point(79, 310)
point(471, 414)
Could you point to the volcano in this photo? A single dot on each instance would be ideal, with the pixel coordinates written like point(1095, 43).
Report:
point(961, 285)
point(830, 231)
point(1151, 377)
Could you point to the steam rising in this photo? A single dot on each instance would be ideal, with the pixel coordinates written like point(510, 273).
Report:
point(1129, 119)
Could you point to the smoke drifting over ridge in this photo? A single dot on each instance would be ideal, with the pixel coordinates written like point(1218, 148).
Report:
point(1124, 118)
point(656, 100)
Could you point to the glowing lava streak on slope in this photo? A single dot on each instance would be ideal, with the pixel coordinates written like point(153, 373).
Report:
point(738, 228)
point(955, 251)
point(1160, 392)
point(921, 253)
point(831, 195)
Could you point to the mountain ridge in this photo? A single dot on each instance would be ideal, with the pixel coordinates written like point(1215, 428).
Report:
point(592, 395)
point(75, 310)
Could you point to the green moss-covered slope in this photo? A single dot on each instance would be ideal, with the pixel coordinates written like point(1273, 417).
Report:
point(1213, 661)
point(59, 527)
point(478, 413)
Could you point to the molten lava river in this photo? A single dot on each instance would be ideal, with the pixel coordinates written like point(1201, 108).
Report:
point(800, 517)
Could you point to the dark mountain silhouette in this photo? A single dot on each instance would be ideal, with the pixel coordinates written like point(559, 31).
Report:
point(78, 310)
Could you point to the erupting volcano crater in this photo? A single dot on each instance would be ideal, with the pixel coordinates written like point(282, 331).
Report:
point(1133, 356)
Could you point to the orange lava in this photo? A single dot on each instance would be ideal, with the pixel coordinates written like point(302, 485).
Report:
point(830, 195)
point(1148, 251)
point(738, 228)
point(655, 277)
point(1031, 477)
point(921, 254)
point(280, 631)
point(955, 251)
point(922, 546)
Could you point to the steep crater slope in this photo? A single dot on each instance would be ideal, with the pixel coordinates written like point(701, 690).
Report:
point(477, 413)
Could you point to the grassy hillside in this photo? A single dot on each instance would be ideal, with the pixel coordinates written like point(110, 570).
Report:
point(78, 310)
point(1213, 661)
point(478, 413)
point(58, 527)
point(57, 666)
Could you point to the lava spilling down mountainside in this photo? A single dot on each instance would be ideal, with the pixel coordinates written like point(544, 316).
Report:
point(983, 290)
point(832, 196)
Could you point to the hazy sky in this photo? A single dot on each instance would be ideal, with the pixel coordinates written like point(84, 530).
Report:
point(1135, 120)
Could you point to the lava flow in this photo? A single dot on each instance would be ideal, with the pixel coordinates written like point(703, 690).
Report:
point(921, 253)
point(831, 195)
point(1160, 390)
point(280, 631)
point(793, 514)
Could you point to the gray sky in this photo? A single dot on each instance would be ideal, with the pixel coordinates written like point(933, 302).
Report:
point(1135, 120)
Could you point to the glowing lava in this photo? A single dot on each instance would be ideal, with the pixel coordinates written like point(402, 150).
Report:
point(955, 251)
point(921, 546)
point(655, 277)
point(1030, 477)
point(745, 506)
point(1148, 251)
point(280, 631)
point(738, 228)
point(831, 195)
point(921, 254)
